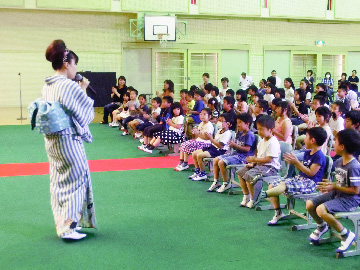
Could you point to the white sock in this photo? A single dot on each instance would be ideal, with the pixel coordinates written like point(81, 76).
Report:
point(215, 181)
point(343, 232)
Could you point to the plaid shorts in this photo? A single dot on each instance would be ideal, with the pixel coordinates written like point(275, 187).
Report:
point(297, 185)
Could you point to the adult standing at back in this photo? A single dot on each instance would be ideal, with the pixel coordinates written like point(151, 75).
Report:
point(245, 81)
point(277, 79)
point(354, 81)
point(70, 183)
point(117, 95)
point(309, 77)
point(329, 83)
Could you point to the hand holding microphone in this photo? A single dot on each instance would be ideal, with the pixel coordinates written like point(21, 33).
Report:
point(84, 83)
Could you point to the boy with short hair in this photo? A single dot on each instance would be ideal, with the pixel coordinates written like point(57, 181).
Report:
point(342, 96)
point(230, 93)
point(207, 90)
point(336, 121)
point(199, 105)
point(259, 110)
point(244, 146)
point(352, 120)
point(265, 163)
point(342, 196)
point(311, 172)
point(228, 107)
point(252, 90)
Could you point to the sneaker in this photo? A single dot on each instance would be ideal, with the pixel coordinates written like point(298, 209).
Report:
point(244, 201)
point(193, 175)
point(214, 186)
point(122, 128)
point(125, 133)
point(316, 235)
point(200, 177)
point(350, 237)
point(250, 204)
point(147, 150)
point(141, 147)
point(74, 236)
point(103, 123)
point(115, 125)
point(275, 219)
point(224, 187)
point(182, 167)
point(111, 124)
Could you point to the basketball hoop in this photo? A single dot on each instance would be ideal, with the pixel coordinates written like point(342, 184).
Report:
point(163, 38)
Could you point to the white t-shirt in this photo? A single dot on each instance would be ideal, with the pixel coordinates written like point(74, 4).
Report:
point(269, 148)
point(337, 124)
point(269, 97)
point(328, 132)
point(245, 83)
point(278, 82)
point(205, 128)
point(178, 120)
point(207, 97)
point(223, 91)
point(308, 96)
point(153, 112)
point(289, 94)
point(223, 138)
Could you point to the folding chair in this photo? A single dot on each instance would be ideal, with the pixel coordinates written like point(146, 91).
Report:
point(292, 214)
point(232, 171)
point(209, 161)
point(334, 236)
point(285, 148)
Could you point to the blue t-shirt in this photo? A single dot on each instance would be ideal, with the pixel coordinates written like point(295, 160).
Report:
point(317, 158)
point(247, 139)
point(347, 176)
point(199, 105)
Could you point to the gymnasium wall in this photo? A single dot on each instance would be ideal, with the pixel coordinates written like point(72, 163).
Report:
point(102, 38)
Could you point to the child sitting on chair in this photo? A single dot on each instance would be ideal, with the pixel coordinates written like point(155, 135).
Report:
point(342, 196)
point(200, 142)
point(311, 172)
point(219, 145)
point(122, 110)
point(173, 135)
point(266, 162)
point(244, 146)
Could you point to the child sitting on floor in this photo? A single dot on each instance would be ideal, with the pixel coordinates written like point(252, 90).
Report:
point(219, 145)
point(200, 142)
point(311, 172)
point(243, 146)
point(342, 196)
point(172, 135)
point(265, 163)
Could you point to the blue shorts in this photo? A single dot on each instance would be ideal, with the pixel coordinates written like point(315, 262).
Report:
point(233, 159)
point(213, 151)
point(297, 185)
point(335, 203)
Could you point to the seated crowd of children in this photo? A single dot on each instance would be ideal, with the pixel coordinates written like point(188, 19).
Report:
point(247, 129)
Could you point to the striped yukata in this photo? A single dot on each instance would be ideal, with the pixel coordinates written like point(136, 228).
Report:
point(70, 183)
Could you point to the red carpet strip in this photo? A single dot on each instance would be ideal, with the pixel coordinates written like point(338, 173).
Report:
point(103, 165)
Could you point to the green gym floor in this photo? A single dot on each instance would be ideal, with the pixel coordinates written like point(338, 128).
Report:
point(147, 219)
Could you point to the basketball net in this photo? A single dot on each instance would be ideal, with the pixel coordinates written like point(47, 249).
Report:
point(163, 38)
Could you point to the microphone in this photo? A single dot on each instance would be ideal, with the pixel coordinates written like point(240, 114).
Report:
point(79, 78)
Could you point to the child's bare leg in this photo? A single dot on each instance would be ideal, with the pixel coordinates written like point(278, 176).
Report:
point(322, 212)
point(156, 142)
point(243, 185)
point(195, 157)
point(274, 192)
point(186, 157)
point(222, 167)
point(200, 159)
point(152, 141)
point(216, 168)
point(312, 211)
point(146, 140)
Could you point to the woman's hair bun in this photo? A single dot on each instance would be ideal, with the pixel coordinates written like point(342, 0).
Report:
point(55, 53)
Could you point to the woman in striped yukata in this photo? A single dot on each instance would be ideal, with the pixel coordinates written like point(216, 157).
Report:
point(70, 183)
